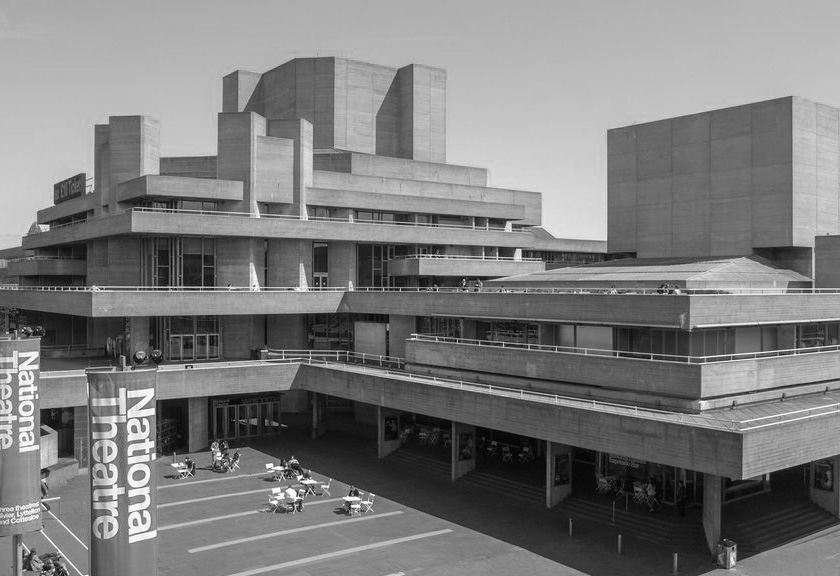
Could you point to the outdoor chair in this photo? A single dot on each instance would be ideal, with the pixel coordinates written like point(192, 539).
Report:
point(507, 456)
point(234, 464)
point(604, 486)
point(325, 488)
point(276, 501)
point(368, 504)
point(639, 494)
point(356, 507)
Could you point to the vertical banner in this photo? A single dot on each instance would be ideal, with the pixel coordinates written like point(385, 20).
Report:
point(20, 436)
point(123, 486)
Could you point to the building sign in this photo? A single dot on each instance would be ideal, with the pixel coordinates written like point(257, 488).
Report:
point(69, 189)
point(626, 461)
point(20, 436)
point(123, 438)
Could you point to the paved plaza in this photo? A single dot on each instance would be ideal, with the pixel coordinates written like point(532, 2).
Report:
point(220, 525)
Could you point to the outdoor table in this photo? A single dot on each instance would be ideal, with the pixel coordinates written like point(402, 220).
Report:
point(309, 484)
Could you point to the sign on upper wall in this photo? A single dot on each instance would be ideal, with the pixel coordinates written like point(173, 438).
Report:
point(69, 189)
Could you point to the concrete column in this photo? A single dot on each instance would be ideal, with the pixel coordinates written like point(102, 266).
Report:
point(712, 499)
point(319, 414)
point(558, 473)
point(287, 332)
point(343, 264)
point(301, 132)
point(463, 449)
point(290, 263)
point(198, 432)
point(401, 328)
point(388, 430)
point(80, 436)
point(822, 485)
point(139, 335)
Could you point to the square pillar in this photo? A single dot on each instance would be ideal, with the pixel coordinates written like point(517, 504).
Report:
point(712, 499)
point(558, 473)
point(198, 433)
point(319, 415)
point(80, 436)
point(463, 449)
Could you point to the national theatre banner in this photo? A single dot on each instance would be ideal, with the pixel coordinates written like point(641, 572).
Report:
point(123, 434)
point(20, 436)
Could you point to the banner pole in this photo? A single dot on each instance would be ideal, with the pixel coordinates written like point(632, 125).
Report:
point(17, 555)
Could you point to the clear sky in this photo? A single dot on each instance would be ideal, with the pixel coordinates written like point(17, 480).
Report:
point(532, 86)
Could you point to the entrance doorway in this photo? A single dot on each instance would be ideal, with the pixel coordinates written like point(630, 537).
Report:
point(245, 418)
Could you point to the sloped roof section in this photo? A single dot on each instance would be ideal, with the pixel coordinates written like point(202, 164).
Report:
point(743, 272)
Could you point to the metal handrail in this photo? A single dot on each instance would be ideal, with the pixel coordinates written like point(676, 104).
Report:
point(463, 257)
point(602, 352)
point(486, 289)
point(290, 217)
point(38, 258)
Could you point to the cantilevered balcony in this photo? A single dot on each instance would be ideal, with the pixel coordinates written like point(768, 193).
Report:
point(153, 187)
point(736, 443)
point(662, 379)
point(47, 266)
point(458, 266)
point(163, 221)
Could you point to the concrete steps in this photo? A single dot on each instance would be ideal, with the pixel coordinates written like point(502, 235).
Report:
point(430, 466)
point(786, 524)
point(512, 489)
point(663, 526)
point(439, 469)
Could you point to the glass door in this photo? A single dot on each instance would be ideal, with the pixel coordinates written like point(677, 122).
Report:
point(175, 348)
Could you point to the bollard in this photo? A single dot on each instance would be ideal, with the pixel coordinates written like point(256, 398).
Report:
point(676, 563)
point(613, 512)
point(570, 527)
point(619, 544)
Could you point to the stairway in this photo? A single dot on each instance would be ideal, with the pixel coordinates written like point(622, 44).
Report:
point(434, 467)
point(440, 469)
point(664, 526)
point(789, 522)
point(512, 489)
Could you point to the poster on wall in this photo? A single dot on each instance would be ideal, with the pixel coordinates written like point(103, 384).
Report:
point(561, 469)
point(824, 475)
point(123, 438)
point(20, 436)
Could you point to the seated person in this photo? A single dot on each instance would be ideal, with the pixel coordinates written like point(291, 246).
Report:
point(307, 474)
point(48, 568)
point(190, 465)
point(294, 464)
point(291, 496)
point(31, 561)
point(61, 567)
point(236, 456)
point(353, 492)
point(223, 446)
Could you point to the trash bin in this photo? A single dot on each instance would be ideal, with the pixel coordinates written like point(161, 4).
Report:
point(727, 553)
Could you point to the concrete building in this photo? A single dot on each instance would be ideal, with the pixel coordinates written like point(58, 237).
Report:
point(330, 248)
